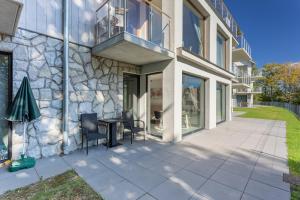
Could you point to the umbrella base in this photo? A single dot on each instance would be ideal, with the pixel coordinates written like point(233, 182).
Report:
point(23, 163)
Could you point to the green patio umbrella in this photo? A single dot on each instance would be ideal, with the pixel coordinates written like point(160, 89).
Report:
point(23, 109)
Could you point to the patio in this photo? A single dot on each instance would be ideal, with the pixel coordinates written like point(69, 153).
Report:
point(242, 159)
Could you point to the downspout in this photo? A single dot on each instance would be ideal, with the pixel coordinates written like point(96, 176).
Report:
point(66, 77)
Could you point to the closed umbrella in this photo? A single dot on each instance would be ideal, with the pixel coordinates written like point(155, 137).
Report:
point(23, 109)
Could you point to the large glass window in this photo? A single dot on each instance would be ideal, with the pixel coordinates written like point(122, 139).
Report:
point(221, 102)
point(192, 103)
point(221, 51)
point(192, 30)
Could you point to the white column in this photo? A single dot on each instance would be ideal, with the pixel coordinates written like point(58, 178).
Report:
point(229, 102)
point(210, 102)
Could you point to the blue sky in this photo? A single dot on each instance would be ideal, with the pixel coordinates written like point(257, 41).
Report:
point(272, 28)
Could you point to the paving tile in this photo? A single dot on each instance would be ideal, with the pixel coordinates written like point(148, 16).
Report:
point(266, 192)
point(103, 180)
point(179, 187)
point(165, 169)
point(214, 190)
point(49, 167)
point(142, 177)
point(229, 179)
point(237, 168)
point(123, 190)
point(248, 197)
point(13, 180)
point(146, 197)
point(270, 178)
point(203, 168)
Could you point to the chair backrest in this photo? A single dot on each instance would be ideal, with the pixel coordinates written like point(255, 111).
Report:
point(157, 114)
point(89, 122)
point(128, 118)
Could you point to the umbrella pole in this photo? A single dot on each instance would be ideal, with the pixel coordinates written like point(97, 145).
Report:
point(24, 136)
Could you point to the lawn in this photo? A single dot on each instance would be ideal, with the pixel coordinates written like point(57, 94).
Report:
point(65, 186)
point(293, 135)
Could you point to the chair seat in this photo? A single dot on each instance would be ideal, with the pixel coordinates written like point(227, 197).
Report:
point(135, 129)
point(92, 136)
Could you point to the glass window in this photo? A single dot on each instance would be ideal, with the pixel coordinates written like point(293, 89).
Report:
point(4, 127)
point(192, 103)
point(131, 94)
point(221, 51)
point(192, 30)
point(221, 102)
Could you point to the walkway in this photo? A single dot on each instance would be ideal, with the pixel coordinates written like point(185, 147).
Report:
point(243, 159)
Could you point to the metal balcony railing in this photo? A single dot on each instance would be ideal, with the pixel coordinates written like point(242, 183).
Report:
point(243, 43)
point(224, 13)
point(139, 18)
point(244, 79)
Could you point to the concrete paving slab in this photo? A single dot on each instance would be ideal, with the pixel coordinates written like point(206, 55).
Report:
point(123, 190)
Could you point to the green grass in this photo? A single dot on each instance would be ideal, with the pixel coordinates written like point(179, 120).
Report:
point(65, 186)
point(293, 135)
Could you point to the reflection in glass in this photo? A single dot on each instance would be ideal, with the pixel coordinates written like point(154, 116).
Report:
point(192, 30)
point(221, 102)
point(4, 128)
point(131, 94)
point(193, 91)
point(221, 49)
point(155, 108)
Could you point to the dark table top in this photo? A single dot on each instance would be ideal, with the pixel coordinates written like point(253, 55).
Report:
point(112, 120)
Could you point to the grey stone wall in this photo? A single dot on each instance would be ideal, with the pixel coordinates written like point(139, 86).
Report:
point(96, 85)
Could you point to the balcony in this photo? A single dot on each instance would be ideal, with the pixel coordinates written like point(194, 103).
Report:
point(10, 12)
point(243, 91)
point(243, 51)
point(133, 31)
point(224, 14)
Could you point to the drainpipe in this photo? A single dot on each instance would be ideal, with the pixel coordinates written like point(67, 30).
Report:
point(66, 77)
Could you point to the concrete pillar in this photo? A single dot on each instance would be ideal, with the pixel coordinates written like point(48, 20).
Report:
point(171, 103)
point(211, 104)
point(143, 99)
point(228, 102)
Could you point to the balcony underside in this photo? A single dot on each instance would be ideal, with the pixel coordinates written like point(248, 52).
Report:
point(128, 48)
point(240, 54)
point(9, 16)
point(240, 86)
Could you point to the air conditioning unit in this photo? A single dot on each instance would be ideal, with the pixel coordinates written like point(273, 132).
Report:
point(10, 11)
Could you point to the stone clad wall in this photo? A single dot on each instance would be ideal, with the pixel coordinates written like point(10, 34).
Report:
point(96, 85)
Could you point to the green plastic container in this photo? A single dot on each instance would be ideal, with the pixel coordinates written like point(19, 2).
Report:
point(23, 163)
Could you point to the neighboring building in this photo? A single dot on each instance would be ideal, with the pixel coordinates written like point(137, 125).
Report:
point(243, 88)
point(169, 62)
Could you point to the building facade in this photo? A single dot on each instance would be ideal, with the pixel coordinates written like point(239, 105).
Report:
point(167, 62)
point(244, 88)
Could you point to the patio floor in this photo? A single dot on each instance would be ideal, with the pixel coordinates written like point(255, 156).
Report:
point(242, 159)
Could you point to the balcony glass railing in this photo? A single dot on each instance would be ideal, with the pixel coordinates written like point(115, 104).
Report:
point(244, 79)
point(243, 43)
point(222, 10)
point(139, 18)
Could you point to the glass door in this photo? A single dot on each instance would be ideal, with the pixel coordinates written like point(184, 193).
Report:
point(221, 102)
point(131, 94)
point(193, 91)
point(155, 104)
point(5, 97)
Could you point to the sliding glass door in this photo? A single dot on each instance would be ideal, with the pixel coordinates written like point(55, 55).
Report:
point(5, 97)
point(155, 104)
point(193, 91)
point(131, 94)
point(221, 102)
